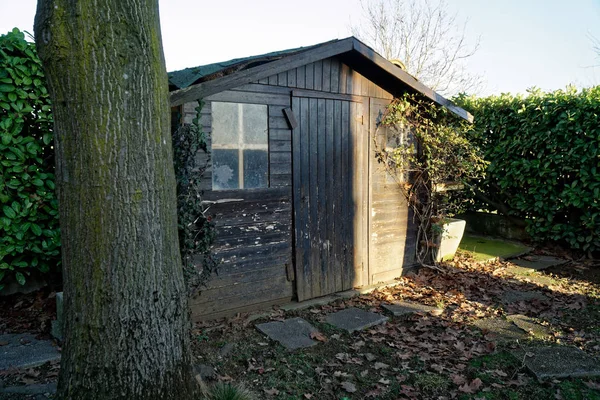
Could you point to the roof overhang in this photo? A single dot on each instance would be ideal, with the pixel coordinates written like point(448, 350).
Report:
point(356, 54)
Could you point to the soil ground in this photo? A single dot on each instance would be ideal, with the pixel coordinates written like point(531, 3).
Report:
point(427, 356)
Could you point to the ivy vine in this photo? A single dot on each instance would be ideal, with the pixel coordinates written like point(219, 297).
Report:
point(196, 230)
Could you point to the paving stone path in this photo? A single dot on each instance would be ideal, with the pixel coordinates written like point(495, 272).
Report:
point(404, 309)
point(559, 362)
point(538, 263)
point(25, 351)
point(293, 333)
point(516, 296)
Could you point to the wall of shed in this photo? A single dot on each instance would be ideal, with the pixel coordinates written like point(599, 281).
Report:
point(254, 227)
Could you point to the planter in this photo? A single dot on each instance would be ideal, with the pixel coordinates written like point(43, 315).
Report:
point(450, 239)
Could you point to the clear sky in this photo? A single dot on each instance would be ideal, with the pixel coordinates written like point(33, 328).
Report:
point(524, 43)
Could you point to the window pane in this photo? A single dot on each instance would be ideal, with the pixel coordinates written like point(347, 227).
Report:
point(254, 121)
point(225, 123)
point(256, 165)
point(225, 174)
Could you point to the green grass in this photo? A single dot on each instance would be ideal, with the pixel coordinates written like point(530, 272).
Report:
point(482, 248)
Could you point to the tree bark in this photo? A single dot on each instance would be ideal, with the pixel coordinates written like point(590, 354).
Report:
point(127, 319)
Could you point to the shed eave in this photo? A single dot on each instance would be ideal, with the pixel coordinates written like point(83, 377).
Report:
point(349, 47)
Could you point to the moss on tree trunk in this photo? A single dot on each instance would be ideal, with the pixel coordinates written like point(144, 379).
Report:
point(125, 302)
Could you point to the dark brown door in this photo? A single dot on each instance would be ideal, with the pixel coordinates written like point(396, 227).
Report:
point(330, 175)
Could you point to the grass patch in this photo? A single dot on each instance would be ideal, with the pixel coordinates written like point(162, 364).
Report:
point(483, 249)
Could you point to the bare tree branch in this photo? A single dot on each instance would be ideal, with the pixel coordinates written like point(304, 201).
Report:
point(426, 37)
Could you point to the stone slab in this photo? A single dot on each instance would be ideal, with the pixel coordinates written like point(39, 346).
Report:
point(516, 296)
point(501, 329)
point(354, 319)
point(292, 333)
point(25, 351)
point(530, 325)
point(559, 362)
point(30, 390)
point(538, 263)
point(403, 309)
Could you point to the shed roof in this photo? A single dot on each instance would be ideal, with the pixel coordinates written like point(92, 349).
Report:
point(193, 83)
point(188, 76)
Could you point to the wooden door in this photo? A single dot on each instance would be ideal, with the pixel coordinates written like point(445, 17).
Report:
point(392, 234)
point(330, 164)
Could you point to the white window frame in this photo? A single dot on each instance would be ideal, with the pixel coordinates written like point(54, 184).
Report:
point(240, 146)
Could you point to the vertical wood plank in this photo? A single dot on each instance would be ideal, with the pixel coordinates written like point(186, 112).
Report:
point(264, 81)
point(313, 200)
point(301, 77)
point(297, 200)
point(365, 209)
point(305, 199)
point(326, 75)
point(345, 206)
point(318, 75)
point(322, 228)
point(355, 198)
point(337, 194)
point(350, 81)
point(344, 71)
point(282, 79)
point(335, 75)
point(291, 77)
point(273, 80)
point(310, 76)
point(329, 193)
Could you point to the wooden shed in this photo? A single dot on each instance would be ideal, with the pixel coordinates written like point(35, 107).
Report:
point(301, 207)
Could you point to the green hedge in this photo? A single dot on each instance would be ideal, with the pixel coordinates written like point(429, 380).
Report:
point(29, 234)
point(544, 154)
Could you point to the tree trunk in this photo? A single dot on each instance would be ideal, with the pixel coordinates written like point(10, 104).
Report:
point(127, 320)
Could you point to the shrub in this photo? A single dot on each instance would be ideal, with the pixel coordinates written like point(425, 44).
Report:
point(29, 234)
point(544, 155)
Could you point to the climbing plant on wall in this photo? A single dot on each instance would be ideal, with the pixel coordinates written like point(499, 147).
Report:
point(29, 233)
point(425, 150)
point(196, 230)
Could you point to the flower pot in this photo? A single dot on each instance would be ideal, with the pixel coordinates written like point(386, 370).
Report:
point(450, 238)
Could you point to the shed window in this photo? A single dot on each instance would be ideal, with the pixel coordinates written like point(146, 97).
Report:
point(240, 146)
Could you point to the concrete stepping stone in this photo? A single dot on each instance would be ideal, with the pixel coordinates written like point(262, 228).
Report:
point(501, 329)
point(404, 309)
point(31, 390)
point(559, 362)
point(354, 319)
point(25, 351)
point(538, 263)
point(292, 333)
point(516, 296)
point(530, 325)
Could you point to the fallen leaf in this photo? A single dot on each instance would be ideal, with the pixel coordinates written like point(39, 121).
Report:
point(271, 392)
point(348, 387)
point(318, 336)
point(380, 365)
point(471, 387)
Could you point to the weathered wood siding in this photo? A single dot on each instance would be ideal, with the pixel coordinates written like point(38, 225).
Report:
point(254, 227)
point(392, 233)
point(254, 244)
point(330, 76)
